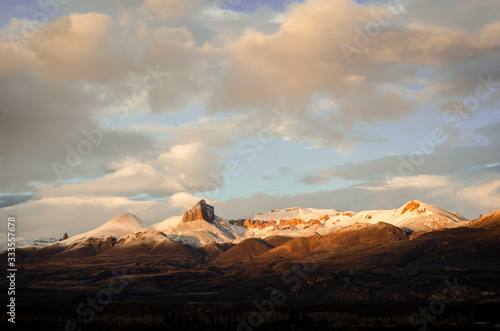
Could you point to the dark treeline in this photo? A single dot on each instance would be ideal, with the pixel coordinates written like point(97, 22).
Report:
point(226, 316)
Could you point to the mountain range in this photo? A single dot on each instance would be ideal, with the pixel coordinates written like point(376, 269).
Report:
point(200, 226)
point(315, 256)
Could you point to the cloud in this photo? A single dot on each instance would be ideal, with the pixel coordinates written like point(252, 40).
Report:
point(42, 120)
point(93, 48)
point(421, 182)
point(461, 14)
point(185, 201)
point(303, 58)
point(314, 180)
point(427, 158)
point(185, 71)
point(441, 162)
point(168, 9)
point(182, 167)
point(288, 67)
point(69, 76)
point(484, 195)
point(13, 199)
point(78, 46)
point(193, 162)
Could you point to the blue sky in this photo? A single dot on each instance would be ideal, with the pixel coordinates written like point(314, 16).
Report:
point(330, 104)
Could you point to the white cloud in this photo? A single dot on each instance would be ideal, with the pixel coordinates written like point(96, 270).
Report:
point(218, 14)
point(182, 167)
point(422, 181)
point(484, 195)
point(186, 201)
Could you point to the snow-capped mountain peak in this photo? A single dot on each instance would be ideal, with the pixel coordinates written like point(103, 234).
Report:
point(420, 216)
point(117, 227)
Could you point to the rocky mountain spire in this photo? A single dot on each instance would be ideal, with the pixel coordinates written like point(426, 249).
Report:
point(200, 211)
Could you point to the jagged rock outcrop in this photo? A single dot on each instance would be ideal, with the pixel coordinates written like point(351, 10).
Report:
point(279, 224)
point(200, 211)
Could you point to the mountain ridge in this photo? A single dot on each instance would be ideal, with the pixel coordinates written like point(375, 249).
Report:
point(200, 226)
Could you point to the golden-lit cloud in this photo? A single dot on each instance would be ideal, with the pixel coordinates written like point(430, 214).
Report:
point(78, 46)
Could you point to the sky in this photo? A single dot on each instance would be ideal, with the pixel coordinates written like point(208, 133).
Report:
point(148, 106)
